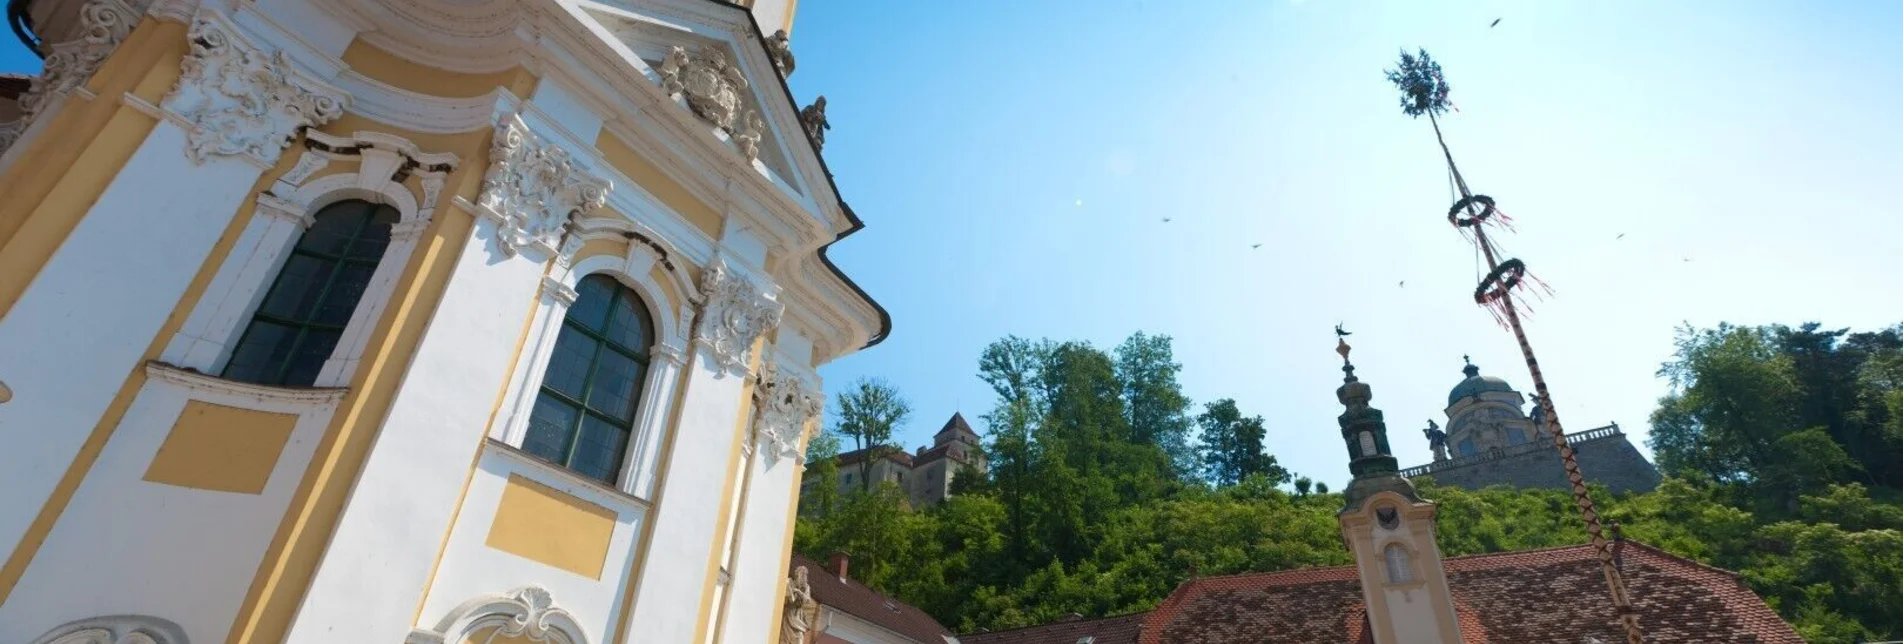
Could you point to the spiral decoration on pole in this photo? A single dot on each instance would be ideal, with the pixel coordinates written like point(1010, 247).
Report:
point(1424, 92)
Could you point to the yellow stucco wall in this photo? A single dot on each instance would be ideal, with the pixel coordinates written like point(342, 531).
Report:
point(552, 527)
point(214, 447)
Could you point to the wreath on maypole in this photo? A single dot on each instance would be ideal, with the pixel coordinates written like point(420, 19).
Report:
point(1424, 92)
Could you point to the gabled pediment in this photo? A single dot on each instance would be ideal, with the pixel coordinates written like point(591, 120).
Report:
point(714, 67)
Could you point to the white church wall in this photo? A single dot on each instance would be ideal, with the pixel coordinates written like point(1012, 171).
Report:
point(127, 545)
point(94, 308)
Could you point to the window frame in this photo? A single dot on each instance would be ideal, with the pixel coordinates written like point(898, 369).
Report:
point(670, 321)
point(279, 217)
point(601, 343)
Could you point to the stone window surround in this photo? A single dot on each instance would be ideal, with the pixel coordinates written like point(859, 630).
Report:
point(659, 384)
point(280, 216)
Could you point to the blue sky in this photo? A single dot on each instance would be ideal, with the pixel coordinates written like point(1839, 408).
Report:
point(1013, 161)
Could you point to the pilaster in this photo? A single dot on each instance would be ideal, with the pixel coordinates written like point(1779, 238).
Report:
point(102, 297)
point(689, 535)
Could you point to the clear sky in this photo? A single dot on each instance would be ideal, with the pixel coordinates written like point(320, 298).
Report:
point(1014, 161)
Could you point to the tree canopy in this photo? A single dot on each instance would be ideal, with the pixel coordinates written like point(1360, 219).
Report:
point(1781, 445)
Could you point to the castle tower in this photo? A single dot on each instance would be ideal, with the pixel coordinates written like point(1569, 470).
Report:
point(1390, 530)
point(428, 321)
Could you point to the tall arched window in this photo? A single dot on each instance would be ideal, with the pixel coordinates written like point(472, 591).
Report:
point(1400, 568)
point(303, 315)
point(585, 410)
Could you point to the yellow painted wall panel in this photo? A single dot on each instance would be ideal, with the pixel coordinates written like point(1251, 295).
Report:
point(215, 447)
point(546, 525)
point(657, 183)
point(397, 71)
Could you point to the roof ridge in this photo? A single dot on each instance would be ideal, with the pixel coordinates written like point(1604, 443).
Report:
point(1138, 614)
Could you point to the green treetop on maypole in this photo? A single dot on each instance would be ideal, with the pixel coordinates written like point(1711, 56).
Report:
point(1423, 88)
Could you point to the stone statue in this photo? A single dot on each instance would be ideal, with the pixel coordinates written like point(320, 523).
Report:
point(797, 622)
point(1436, 440)
point(1539, 415)
point(780, 47)
point(813, 118)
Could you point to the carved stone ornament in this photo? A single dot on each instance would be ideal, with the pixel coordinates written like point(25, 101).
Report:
point(748, 138)
point(533, 188)
point(710, 84)
point(813, 118)
point(120, 629)
point(527, 613)
point(779, 47)
point(103, 24)
point(240, 100)
point(801, 611)
point(786, 403)
point(736, 313)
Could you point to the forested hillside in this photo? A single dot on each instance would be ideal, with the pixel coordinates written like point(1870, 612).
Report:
point(1783, 449)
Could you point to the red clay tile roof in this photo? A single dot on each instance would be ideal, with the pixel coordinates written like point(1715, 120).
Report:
point(1551, 595)
point(854, 598)
point(893, 454)
point(1122, 629)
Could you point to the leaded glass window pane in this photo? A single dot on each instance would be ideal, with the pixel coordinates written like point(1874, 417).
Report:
point(302, 316)
point(591, 390)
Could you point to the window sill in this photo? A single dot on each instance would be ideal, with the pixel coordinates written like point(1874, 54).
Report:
point(528, 462)
point(214, 386)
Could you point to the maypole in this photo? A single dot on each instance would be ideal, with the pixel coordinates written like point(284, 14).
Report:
point(1424, 91)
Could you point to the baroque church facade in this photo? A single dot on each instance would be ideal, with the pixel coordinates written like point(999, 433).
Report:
point(1490, 441)
point(425, 321)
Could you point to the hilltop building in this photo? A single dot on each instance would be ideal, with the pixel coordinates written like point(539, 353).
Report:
point(926, 474)
point(424, 321)
point(1401, 591)
point(1490, 441)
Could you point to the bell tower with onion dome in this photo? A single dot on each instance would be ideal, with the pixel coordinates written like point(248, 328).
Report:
point(1390, 529)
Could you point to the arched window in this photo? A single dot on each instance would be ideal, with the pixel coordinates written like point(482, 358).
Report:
point(1400, 567)
point(1516, 436)
point(305, 311)
point(585, 410)
point(1466, 448)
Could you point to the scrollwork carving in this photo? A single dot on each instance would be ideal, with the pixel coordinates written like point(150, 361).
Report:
point(735, 314)
point(710, 84)
point(532, 188)
point(242, 101)
point(786, 403)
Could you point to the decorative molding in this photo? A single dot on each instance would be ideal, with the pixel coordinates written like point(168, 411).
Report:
point(779, 47)
point(786, 402)
point(216, 386)
point(307, 165)
point(115, 629)
point(736, 314)
point(533, 188)
point(103, 24)
point(241, 101)
point(528, 612)
point(709, 83)
point(748, 138)
point(813, 120)
point(555, 289)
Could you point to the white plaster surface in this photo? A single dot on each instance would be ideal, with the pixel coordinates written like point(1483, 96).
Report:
point(79, 330)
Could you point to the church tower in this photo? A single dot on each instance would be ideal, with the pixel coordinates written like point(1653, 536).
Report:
point(1390, 530)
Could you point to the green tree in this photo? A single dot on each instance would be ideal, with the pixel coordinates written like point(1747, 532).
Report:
point(819, 485)
point(1154, 404)
point(1232, 448)
point(868, 412)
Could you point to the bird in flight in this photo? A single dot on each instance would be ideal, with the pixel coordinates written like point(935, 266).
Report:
point(1166, 220)
point(1255, 245)
point(1621, 236)
point(1404, 283)
point(1496, 23)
